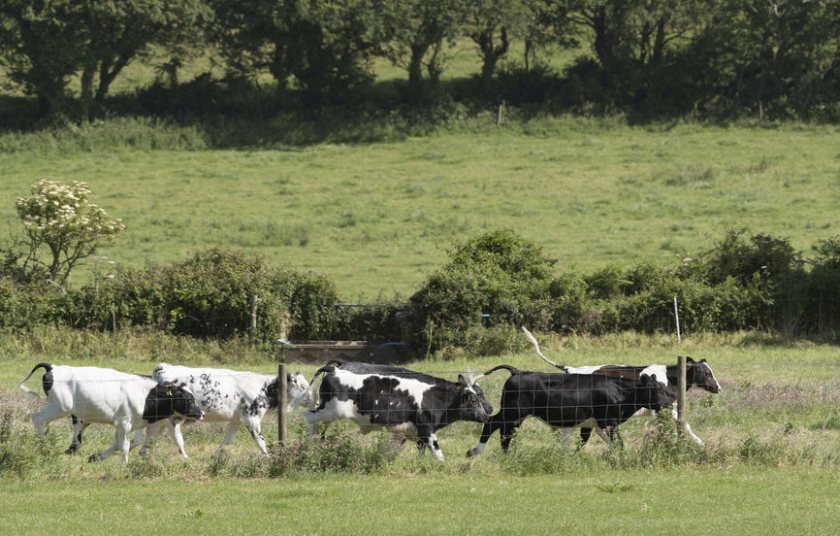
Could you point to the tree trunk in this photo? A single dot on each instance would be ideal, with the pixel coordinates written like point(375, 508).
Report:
point(415, 71)
point(490, 55)
point(435, 67)
point(87, 91)
point(107, 73)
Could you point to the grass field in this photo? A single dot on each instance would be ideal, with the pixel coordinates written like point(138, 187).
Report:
point(749, 502)
point(769, 465)
point(378, 217)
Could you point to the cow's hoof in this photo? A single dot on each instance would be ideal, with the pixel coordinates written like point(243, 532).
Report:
point(71, 450)
point(94, 458)
point(471, 453)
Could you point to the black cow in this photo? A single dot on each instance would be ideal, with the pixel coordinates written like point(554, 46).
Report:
point(697, 374)
point(570, 401)
point(402, 401)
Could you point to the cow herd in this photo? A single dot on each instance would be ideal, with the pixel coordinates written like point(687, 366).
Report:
point(410, 404)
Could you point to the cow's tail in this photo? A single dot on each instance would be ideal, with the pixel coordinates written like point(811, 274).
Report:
point(533, 340)
point(509, 368)
point(46, 366)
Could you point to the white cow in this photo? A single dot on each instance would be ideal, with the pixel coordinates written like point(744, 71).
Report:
point(100, 395)
point(235, 397)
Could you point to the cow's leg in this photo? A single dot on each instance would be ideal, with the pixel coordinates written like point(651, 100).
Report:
point(79, 426)
point(174, 427)
point(602, 433)
point(687, 428)
point(489, 427)
point(42, 419)
point(567, 439)
point(326, 414)
point(428, 437)
point(252, 423)
point(611, 435)
point(585, 434)
point(508, 428)
point(230, 434)
point(121, 442)
point(142, 437)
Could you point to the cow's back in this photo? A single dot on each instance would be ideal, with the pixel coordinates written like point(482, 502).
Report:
point(223, 394)
point(99, 395)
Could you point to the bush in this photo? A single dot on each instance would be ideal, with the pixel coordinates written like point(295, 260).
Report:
point(494, 278)
point(209, 295)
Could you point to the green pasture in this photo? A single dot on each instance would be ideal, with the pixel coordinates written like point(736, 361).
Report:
point(379, 217)
point(760, 502)
point(769, 465)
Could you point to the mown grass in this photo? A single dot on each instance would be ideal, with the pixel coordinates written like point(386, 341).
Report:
point(733, 502)
point(378, 217)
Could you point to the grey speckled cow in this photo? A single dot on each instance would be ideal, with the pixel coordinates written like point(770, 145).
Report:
point(236, 397)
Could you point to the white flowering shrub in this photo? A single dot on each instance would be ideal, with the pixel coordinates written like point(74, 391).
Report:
point(60, 217)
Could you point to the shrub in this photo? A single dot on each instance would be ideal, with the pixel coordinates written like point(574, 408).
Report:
point(209, 295)
point(491, 279)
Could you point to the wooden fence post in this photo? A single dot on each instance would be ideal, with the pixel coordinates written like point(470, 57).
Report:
point(282, 403)
point(252, 329)
point(681, 401)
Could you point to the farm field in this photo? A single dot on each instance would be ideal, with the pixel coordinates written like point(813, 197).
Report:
point(379, 217)
point(769, 464)
point(749, 502)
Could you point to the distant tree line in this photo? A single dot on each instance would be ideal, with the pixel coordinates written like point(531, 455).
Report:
point(712, 58)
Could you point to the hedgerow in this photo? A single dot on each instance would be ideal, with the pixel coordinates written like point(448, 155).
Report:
point(492, 284)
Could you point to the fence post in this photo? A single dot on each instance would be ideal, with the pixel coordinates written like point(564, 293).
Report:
point(252, 329)
point(681, 409)
point(677, 318)
point(282, 403)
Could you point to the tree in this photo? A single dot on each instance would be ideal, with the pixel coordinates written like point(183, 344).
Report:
point(115, 33)
point(62, 219)
point(635, 34)
point(41, 47)
point(421, 29)
point(324, 48)
point(44, 43)
point(494, 24)
point(768, 56)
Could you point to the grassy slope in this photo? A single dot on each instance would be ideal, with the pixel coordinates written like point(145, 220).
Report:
point(379, 217)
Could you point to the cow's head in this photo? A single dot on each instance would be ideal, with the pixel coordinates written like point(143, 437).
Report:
point(699, 373)
point(168, 399)
point(654, 394)
point(473, 406)
point(299, 391)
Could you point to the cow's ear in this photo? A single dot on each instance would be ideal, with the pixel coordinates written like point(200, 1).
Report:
point(688, 359)
point(462, 382)
point(644, 379)
point(651, 379)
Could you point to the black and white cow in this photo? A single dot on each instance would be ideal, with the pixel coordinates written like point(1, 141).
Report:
point(235, 397)
point(100, 395)
point(399, 400)
point(570, 401)
point(697, 374)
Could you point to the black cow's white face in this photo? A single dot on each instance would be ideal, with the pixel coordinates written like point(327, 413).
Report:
point(473, 405)
point(702, 375)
